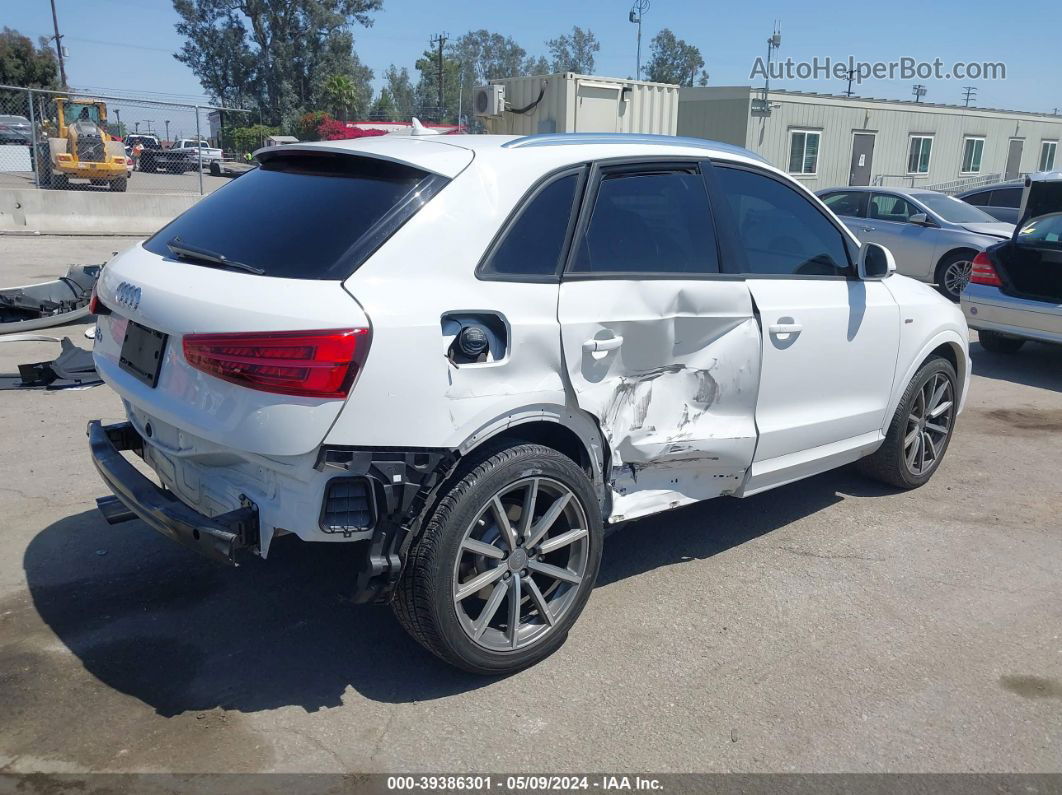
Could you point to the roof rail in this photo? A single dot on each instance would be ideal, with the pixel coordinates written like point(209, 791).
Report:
point(570, 139)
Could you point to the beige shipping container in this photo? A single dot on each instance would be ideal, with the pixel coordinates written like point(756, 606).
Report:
point(567, 102)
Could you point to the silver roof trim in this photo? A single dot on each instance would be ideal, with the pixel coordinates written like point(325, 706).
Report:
point(576, 139)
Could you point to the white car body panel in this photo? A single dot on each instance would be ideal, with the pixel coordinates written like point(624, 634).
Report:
point(676, 400)
point(697, 402)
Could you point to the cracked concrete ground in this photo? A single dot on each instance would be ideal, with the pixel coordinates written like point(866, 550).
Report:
point(831, 625)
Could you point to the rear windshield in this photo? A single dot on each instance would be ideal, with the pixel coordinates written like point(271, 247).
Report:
point(303, 215)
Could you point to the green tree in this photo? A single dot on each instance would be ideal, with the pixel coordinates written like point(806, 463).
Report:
point(273, 54)
point(340, 95)
point(401, 89)
point(22, 64)
point(574, 52)
point(536, 66)
point(384, 108)
point(672, 60)
point(426, 102)
point(482, 56)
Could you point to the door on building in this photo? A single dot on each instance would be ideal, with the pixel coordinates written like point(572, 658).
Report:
point(862, 158)
point(1014, 158)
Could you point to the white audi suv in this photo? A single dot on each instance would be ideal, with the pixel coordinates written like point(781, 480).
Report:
point(471, 354)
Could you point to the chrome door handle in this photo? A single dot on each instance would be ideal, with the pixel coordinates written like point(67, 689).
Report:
point(868, 229)
point(608, 344)
point(786, 328)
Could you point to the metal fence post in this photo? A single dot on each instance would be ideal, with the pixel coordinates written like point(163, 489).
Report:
point(34, 149)
point(199, 149)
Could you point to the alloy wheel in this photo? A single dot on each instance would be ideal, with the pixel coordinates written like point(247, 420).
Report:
point(528, 548)
point(957, 276)
point(929, 424)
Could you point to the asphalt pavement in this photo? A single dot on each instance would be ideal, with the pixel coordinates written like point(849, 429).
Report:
point(830, 625)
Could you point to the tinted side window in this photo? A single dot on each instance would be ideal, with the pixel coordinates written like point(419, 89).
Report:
point(850, 203)
point(1006, 197)
point(649, 223)
point(780, 231)
point(979, 199)
point(533, 244)
point(886, 207)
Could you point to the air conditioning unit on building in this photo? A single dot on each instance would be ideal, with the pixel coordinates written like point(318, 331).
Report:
point(489, 100)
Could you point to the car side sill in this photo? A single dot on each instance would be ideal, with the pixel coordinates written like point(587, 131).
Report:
point(783, 469)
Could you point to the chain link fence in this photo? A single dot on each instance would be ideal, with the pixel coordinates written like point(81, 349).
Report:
point(90, 142)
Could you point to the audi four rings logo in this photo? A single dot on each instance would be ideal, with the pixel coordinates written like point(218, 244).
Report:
point(128, 294)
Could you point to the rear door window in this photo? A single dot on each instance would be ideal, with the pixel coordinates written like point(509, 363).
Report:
point(850, 203)
point(979, 199)
point(303, 216)
point(1006, 197)
point(650, 222)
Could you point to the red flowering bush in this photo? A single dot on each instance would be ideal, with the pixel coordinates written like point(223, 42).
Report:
point(331, 130)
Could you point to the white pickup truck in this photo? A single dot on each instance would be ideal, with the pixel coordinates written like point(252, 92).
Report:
point(186, 153)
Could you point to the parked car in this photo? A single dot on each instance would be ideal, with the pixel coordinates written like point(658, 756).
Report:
point(357, 342)
point(1002, 201)
point(934, 237)
point(1015, 293)
point(15, 130)
point(197, 153)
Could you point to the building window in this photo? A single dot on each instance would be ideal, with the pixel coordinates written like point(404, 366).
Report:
point(972, 149)
point(918, 157)
point(804, 151)
point(1047, 155)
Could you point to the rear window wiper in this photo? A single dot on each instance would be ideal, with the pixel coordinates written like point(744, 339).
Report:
point(186, 251)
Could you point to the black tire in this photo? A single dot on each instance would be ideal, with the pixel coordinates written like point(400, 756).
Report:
point(889, 463)
point(425, 602)
point(215, 169)
point(119, 185)
point(59, 182)
point(999, 343)
point(945, 278)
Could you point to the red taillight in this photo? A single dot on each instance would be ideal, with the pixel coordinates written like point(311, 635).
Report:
point(95, 306)
point(306, 363)
point(983, 271)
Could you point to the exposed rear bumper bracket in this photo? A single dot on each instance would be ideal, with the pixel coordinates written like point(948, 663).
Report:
point(135, 496)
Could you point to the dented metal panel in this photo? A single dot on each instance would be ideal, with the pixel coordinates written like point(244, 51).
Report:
point(676, 397)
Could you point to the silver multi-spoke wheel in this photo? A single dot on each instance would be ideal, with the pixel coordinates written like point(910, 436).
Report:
point(929, 424)
point(520, 564)
point(957, 276)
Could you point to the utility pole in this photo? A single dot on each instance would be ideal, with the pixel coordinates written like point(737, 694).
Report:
point(439, 41)
point(919, 91)
point(118, 116)
point(851, 74)
point(59, 46)
point(969, 93)
point(635, 16)
point(167, 129)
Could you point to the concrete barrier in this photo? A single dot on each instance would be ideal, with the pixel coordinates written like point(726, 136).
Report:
point(69, 212)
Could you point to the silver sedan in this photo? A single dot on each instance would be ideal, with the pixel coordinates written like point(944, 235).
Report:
point(934, 237)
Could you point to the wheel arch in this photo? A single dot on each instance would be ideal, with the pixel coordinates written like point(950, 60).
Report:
point(571, 433)
point(946, 344)
point(972, 250)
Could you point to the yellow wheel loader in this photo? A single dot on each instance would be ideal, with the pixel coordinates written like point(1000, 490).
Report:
point(79, 147)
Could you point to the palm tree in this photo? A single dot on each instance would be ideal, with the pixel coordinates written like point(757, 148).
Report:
point(340, 95)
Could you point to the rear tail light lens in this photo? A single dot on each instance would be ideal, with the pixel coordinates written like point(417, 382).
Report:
point(320, 364)
point(984, 272)
point(96, 306)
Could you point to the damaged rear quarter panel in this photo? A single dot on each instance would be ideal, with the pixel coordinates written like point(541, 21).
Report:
point(676, 401)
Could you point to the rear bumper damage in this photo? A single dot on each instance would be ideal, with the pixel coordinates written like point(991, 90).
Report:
point(402, 485)
point(220, 538)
